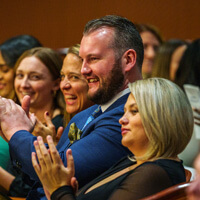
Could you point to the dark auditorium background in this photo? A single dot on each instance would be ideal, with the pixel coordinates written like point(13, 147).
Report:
point(60, 23)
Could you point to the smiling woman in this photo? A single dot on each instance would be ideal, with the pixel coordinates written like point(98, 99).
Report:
point(73, 85)
point(38, 76)
point(10, 51)
point(6, 77)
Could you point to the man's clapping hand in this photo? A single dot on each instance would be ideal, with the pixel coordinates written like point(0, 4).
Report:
point(14, 117)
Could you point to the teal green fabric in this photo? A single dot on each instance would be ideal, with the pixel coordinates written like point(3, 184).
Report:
point(4, 153)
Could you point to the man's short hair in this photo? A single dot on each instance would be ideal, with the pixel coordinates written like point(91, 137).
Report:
point(126, 36)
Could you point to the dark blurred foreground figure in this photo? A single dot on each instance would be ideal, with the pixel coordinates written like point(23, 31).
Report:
point(189, 67)
point(188, 72)
point(150, 130)
point(194, 189)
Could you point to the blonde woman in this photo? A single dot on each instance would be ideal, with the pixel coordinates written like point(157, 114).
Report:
point(156, 115)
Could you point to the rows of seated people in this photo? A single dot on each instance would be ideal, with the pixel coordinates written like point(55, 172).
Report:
point(110, 120)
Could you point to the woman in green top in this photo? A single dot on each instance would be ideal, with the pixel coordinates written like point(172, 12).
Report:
point(4, 156)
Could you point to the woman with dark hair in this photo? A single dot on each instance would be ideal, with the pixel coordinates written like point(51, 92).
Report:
point(189, 73)
point(189, 67)
point(13, 48)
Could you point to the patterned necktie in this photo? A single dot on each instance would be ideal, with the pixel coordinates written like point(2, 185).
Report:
point(95, 114)
point(75, 133)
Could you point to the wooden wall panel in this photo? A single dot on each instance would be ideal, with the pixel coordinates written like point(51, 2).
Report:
point(59, 23)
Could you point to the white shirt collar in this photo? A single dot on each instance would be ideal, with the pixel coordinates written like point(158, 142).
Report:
point(115, 98)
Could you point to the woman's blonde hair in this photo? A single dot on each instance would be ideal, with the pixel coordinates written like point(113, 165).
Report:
point(74, 49)
point(166, 116)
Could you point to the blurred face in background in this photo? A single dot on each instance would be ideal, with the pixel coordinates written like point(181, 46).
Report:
point(73, 85)
point(175, 60)
point(6, 79)
point(33, 78)
point(151, 45)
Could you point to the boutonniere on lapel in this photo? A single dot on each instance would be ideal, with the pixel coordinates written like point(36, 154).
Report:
point(74, 133)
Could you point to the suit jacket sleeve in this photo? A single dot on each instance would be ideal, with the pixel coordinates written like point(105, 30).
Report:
point(98, 149)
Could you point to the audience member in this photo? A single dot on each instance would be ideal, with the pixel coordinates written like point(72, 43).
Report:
point(188, 73)
point(10, 51)
point(109, 48)
point(175, 60)
point(150, 130)
point(152, 39)
point(73, 85)
point(164, 60)
point(37, 75)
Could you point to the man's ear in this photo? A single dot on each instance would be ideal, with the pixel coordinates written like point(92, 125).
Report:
point(129, 60)
point(56, 85)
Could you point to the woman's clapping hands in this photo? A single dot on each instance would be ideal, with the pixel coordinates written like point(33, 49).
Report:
point(49, 167)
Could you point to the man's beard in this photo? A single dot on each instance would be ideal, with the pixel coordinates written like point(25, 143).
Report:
point(111, 86)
